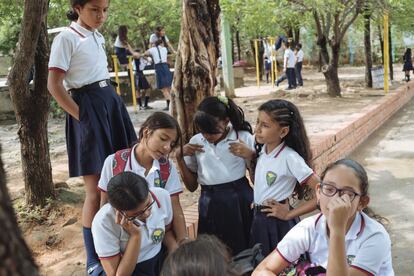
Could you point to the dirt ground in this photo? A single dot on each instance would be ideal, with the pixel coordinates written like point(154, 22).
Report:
point(54, 234)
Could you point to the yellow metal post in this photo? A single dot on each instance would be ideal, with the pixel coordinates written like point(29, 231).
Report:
point(272, 71)
point(256, 48)
point(132, 79)
point(386, 53)
point(115, 59)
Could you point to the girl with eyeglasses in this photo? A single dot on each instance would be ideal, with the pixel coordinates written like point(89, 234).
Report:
point(217, 158)
point(283, 170)
point(341, 239)
point(128, 231)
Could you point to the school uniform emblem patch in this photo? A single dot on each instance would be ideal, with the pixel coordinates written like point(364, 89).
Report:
point(350, 259)
point(158, 235)
point(270, 178)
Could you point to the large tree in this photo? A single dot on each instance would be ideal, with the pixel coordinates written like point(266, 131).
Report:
point(15, 256)
point(367, 42)
point(196, 63)
point(31, 102)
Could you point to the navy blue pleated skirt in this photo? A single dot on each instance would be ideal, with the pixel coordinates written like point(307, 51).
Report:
point(142, 82)
point(269, 231)
point(121, 54)
point(224, 211)
point(163, 74)
point(104, 128)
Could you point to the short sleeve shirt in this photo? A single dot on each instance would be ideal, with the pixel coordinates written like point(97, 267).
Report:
point(111, 239)
point(173, 185)
point(160, 55)
point(289, 59)
point(154, 38)
point(217, 165)
point(277, 173)
point(80, 54)
point(299, 55)
point(368, 246)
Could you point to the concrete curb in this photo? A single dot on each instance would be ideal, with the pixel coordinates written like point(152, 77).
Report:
point(339, 141)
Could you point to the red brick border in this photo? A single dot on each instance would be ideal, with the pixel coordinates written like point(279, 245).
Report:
point(339, 141)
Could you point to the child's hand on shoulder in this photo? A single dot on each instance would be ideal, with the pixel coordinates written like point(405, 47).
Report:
point(240, 149)
point(129, 226)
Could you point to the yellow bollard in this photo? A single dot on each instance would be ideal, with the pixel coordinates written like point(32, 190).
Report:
point(386, 53)
point(256, 48)
point(132, 79)
point(115, 59)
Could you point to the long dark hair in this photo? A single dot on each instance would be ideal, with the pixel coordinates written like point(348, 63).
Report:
point(407, 55)
point(159, 120)
point(123, 34)
point(286, 114)
point(214, 109)
point(72, 15)
point(127, 190)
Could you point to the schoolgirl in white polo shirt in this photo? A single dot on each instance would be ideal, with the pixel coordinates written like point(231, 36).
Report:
point(282, 169)
point(217, 158)
point(164, 77)
point(159, 134)
point(342, 239)
point(129, 230)
point(97, 122)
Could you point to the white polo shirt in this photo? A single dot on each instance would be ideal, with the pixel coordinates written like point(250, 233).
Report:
point(277, 173)
point(111, 239)
point(289, 59)
point(118, 43)
point(154, 38)
point(156, 55)
point(80, 54)
point(173, 185)
point(367, 243)
point(217, 165)
point(299, 56)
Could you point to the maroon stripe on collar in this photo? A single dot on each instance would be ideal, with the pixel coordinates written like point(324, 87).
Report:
point(317, 219)
point(277, 153)
point(361, 229)
point(76, 31)
point(156, 199)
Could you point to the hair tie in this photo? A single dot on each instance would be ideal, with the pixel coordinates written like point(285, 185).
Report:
point(224, 100)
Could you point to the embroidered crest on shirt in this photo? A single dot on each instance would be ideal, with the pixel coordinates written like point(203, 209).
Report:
point(158, 235)
point(350, 259)
point(270, 178)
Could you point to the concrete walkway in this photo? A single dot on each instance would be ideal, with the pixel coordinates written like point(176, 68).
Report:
point(388, 156)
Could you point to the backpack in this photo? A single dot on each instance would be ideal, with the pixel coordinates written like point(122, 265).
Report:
point(246, 261)
point(120, 161)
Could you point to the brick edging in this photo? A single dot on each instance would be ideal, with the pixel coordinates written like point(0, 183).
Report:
point(340, 141)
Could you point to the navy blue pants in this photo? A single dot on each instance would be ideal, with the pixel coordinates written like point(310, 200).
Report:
point(269, 231)
point(224, 211)
point(298, 72)
point(290, 74)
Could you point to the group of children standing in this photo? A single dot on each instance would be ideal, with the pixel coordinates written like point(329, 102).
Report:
point(135, 219)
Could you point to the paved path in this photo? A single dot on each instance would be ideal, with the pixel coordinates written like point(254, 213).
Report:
point(388, 156)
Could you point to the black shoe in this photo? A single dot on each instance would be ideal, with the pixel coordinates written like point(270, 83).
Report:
point(277, 83)
point(290, 88)
point(166, 109)
point(147, 107)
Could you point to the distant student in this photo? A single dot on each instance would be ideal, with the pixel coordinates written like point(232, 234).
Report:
point(408, 64)
point(142, 83)
point(205, 256)
point(298, 65)
point(283, 167)
point(129, 230)
point(158, 136)
point(122, 47)
point(217, 158)
point(288, 67)
point(341, 239)
point(162, 71)
point(268, 67)
point(160, 34)
point(97, 122)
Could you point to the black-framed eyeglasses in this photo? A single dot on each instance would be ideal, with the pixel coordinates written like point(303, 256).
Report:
point(141, 213)
point(331, 190)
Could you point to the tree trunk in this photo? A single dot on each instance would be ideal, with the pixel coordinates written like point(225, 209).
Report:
point(238, 45)
point(390, 52)
point(15, 255)
point(297, 35)
point(31, 104)
point(367, 44)
point(196, 61)
point(232, 47)
point(331, 72)
point(381, 41)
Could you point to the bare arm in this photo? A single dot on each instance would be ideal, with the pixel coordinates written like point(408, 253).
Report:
point(179, 227)
point(104, 198)
point(58, 91)
point(171, 47)
point(271, 265)
point(189, 178)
